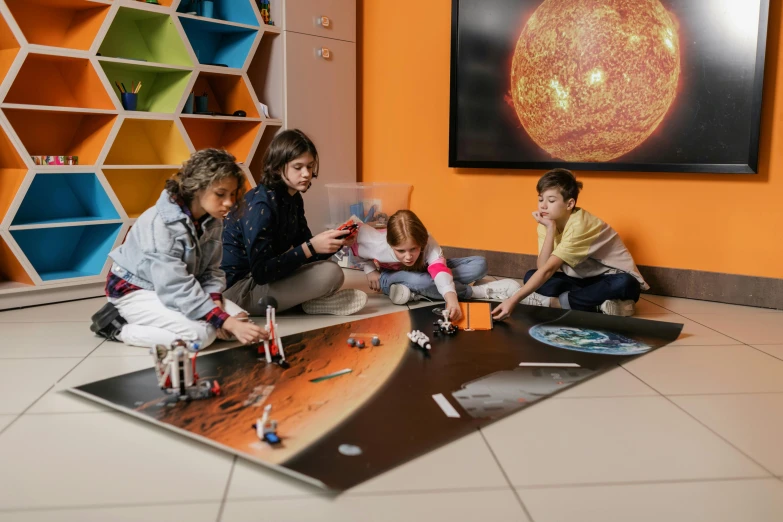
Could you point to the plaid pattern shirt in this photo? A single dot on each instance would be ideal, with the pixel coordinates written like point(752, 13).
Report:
point(117, 287)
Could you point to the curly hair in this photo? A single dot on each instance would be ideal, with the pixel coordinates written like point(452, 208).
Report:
point(286, 147)
point(404, 225)
point(201, 170)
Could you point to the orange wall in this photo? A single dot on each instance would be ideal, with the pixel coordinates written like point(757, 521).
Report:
point(718, 223)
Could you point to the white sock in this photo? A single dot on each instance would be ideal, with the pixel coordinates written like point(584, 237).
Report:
point(480, 292)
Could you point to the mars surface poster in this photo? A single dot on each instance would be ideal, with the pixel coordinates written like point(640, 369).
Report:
point(670, 85)
point(344, 414)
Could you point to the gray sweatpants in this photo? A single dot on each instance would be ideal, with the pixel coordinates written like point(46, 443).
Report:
point(308, 282)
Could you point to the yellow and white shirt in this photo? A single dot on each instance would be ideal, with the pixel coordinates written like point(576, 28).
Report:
point(589, 247)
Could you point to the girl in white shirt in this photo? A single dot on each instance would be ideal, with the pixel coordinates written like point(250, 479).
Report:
point(406, 263)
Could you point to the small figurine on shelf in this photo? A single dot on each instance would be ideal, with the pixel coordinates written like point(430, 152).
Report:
point(175, 368)
point(266, 13)
point(266, 429)
point(273, 346)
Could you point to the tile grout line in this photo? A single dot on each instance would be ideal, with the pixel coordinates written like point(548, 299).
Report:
point(106, 506)
point(642, 482)
point(505, 475)
point(225, 492)
point(50, 388)
point(723, 334)
point(689, 414)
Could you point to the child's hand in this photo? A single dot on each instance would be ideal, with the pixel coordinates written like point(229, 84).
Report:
point(543, 220)
point(452, 305)
point(245, 332)
point(374, 280)
point(328, 242)
point(504, 309)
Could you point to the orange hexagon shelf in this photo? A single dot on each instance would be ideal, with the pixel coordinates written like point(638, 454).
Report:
point(12, 273)
point(12, 172)
point(61, 133)
point(9, 48)
point(137, 189)
point(59, 81)
point(72, 24)
point(148, 142)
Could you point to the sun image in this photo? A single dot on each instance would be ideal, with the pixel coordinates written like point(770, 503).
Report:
point(591, 80)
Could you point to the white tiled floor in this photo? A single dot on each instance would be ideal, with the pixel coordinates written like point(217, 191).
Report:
point(689, 432)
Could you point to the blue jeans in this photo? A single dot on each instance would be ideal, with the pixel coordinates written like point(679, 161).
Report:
point(464, 269)
point(587, 294)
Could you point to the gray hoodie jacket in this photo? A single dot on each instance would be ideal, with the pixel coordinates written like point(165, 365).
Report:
point(162, 253)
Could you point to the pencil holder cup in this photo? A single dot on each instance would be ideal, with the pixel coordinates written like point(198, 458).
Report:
point(188, 109)
point(129, 100)
point(206, 8)
point(202, 104)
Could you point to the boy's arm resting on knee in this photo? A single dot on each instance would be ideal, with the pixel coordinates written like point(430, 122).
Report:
point(541, 276)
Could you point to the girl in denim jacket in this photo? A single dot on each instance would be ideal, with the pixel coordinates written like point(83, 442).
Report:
point(165, 281)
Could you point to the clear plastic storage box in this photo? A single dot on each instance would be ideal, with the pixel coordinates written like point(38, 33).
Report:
point(373, 203)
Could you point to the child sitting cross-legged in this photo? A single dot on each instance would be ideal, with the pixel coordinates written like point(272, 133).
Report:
point(582, 262)
point(406, 263)
point(165, 281)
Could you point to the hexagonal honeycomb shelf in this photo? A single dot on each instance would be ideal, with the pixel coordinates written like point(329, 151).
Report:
point(9, 48)
point(59, 81)
point(137, 189)
point(148, 142)
point(144, 36)
point(12, 172)
point(53, 198)
point(60, 133)
point(71, 24)
point(81, 250)
point(66, 63)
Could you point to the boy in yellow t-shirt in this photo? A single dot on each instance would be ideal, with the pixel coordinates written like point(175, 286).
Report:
point(582, 262)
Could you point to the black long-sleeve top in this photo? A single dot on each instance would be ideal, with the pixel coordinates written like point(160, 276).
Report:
point(264, 236)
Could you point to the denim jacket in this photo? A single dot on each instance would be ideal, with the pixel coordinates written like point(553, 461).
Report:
point(163, 253)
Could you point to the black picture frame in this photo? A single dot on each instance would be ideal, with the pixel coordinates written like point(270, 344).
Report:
point(750, 166)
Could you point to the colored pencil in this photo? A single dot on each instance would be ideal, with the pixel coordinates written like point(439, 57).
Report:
point(118, 87)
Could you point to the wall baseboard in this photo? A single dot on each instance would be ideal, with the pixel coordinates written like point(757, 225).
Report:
point(764, 292)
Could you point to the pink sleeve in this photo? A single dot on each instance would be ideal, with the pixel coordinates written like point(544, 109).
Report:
point(437, 267)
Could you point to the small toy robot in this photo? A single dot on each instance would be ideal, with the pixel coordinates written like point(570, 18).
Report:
point(419, 338)
point(266, 429)
point(175, 368)
point(444, 326)
point(273, 347)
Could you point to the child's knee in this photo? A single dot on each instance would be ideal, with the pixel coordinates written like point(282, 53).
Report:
point(629, 286)
point(481, 267)
point(331, 276)
point(529, 274)
point(205, 335)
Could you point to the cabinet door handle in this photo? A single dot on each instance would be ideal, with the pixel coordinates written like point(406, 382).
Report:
point(324, 53)
point(324, 21)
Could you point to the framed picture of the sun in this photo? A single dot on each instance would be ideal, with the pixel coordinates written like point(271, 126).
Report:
point(623, 85)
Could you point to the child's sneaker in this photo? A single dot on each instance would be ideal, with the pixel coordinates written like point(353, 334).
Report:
point(500, 290)
point(618, 307)
point(401, 294)
point(342, 302)
point(107, 322)
point(535, 299)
